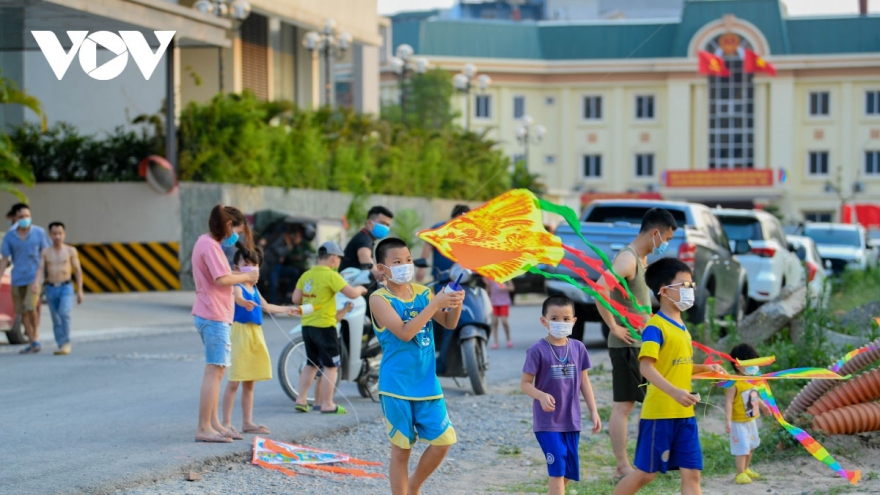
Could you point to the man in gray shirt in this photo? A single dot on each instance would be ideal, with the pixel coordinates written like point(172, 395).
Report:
point(658, 226)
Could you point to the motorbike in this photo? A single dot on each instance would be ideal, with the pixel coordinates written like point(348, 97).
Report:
point(463, 351)
point(360, 349)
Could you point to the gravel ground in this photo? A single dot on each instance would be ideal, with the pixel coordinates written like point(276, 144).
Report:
point(485, 425)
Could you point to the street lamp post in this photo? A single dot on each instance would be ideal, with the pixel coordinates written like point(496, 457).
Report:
point(237, 10)
point(463, 82)
point(528, 133)
point(330, 43)
point(404, 64)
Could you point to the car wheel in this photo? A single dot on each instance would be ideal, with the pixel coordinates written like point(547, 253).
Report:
point(15, 335)
point(741, 307)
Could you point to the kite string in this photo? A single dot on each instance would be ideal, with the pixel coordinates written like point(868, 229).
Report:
point(324, 377)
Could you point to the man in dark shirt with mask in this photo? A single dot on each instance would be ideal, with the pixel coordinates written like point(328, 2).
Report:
point(359, 250)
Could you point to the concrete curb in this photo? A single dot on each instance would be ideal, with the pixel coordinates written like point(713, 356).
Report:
point(87, 336)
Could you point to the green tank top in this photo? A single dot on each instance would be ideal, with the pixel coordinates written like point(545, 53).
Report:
point(639, 288)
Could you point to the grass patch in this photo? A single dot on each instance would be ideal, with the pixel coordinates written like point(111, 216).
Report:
point(853, 289)
point(509, 450)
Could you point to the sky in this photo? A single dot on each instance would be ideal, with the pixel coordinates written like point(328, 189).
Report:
point(795, 7)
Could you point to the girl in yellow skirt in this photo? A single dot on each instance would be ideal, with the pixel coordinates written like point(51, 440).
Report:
point(250, 360)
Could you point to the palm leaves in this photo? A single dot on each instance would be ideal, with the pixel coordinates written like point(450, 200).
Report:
point(11, 169)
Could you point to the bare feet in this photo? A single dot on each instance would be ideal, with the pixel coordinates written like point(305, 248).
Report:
point(211, 436)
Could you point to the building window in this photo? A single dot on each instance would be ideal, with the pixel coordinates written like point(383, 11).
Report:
point(519, 107)
point(592, 108)
point(550, 159)
point(872, 102)
point(818, 163)
point(644, 107)
point(592, 166)
point(872, 163)
point(818, 216)
point(549, 101)
point(731, 107)
point(483, 105)
point(819, 103)
point(645, 165)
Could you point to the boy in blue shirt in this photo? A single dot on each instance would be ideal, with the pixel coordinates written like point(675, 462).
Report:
point(410, 393)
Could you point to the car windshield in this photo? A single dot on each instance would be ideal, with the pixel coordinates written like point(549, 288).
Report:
point(742, 228)
point(629, 214)
point(837, 237)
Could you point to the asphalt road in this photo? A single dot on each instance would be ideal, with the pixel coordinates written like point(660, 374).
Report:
point(122, 410)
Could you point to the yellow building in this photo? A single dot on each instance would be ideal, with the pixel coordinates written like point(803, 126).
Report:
point(626, 110)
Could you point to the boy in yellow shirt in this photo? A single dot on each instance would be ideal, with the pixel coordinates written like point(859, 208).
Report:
point(668, 436)
point(318, 287)
point(742, 408)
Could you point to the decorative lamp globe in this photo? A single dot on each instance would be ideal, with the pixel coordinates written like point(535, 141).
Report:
point(204, 6)
point(404, 51)
point(240, 9)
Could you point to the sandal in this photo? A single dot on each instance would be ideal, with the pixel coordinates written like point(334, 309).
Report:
point(303, 408)
point(260, 429)
point(31, 349)
point(339, 411)
point(214, 439)
point(232, 433)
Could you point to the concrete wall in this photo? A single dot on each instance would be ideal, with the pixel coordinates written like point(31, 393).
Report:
point(197, 199)
point(97, 213)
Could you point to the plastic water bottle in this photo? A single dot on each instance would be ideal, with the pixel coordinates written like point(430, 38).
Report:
point(453, 287)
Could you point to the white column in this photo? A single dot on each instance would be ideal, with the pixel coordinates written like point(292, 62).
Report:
point(699, 159)
point(678, 126)
point(781, 132)
point(760, 129)
point(569, 163)
point(848, 161)
point(273, 53)
point(365, 78)
point(616, 165)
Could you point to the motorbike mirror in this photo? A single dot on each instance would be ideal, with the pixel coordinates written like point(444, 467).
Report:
point(420, 262)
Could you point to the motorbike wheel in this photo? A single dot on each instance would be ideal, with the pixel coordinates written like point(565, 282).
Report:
point(474, 356)
point(368, 378)
point(15, 335)
point(291, 364)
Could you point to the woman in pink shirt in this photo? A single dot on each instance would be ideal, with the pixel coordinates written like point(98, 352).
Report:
point(213, 310)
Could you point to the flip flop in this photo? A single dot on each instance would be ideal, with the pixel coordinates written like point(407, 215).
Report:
point(31, 349)
point(234, 434)
point(261, 429)
point(218, 439)
point(303, 408)
point(339, 411)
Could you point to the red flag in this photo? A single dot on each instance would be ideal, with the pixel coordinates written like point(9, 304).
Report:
point(754, 63)
point(712, 65)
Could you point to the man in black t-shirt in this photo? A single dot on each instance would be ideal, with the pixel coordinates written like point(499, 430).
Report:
point(359, 251)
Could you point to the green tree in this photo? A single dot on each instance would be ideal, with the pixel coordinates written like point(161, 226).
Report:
point(12, 171)
point(523, 179)
point(428, 101)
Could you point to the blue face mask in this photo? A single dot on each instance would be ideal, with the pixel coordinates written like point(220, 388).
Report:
point(662, 247)
point(752, 370)
point(24, 223)
point(230, 240)
point(380, 231)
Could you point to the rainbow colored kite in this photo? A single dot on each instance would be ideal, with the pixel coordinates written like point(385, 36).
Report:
point(839, 364)
point(280, 456)
point(505, 238)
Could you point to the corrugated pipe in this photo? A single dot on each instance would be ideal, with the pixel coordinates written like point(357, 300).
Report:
point(858, 418)
point(861, 389)
point(816, 388)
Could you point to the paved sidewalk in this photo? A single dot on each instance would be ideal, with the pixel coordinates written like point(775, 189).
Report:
point(103, 316)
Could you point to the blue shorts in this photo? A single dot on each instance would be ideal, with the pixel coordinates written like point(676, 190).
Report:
point(215, 336)
point(668, 444)
point(407, 420)
point(561, 451)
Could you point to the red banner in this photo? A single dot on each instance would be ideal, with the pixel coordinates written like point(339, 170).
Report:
point(720, 178)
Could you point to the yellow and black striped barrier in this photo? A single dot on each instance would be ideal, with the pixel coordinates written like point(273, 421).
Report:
point(130, 267)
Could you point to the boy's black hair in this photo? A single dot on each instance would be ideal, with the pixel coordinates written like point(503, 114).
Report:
point(556, 300)
point(379, 210)
point(323, 254)
point(663, 271)
point(56, 224)
point(17, 207)
point(459, 210)
point(253, 256)
point(387, 244)
point(658, 218)
point(744, 351)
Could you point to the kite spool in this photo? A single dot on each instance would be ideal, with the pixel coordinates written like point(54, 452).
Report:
point(863, 388)
point(159, 174)
point(858, 418)
point(816, 388)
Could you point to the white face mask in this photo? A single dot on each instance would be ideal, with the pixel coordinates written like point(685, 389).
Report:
point(686, 299)
point(402, 274)
point(752, 370)
point(560, 329)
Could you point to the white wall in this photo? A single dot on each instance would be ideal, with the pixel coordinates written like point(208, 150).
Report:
point(98, 213)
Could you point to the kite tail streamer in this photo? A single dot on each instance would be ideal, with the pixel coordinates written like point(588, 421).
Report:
point(634, 319)
point(571, 217)
point(809, 443)
point(596, 265)
point(599, 299)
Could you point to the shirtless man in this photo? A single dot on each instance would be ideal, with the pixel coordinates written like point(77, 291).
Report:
point(60, 263)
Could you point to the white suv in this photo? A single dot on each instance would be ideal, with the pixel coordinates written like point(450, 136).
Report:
point(770, 264)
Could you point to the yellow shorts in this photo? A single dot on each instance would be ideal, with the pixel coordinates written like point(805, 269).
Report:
point(24, 298)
